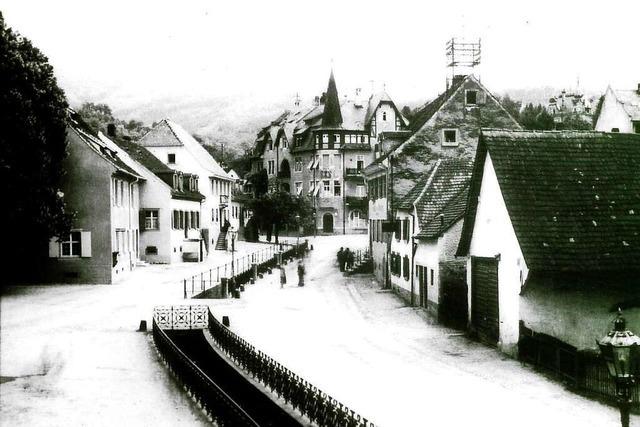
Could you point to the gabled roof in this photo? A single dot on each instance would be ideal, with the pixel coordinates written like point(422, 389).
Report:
point(143, 156)
point(429, 109)
point(573, 197)
point(443, 194)
point(170, 134)
point(99, 147)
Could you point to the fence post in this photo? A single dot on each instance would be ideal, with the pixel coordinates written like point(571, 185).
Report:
point(201, 281)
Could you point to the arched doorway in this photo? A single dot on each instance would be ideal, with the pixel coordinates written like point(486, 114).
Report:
point(285, 169)
point(327, 223)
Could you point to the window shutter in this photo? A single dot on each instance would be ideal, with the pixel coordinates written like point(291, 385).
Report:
point(85, 244)
point(141, 218)
point(54, 248)
point(481, 97)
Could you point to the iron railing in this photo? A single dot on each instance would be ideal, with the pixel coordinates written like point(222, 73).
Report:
point(320, 408)
point(214, 401)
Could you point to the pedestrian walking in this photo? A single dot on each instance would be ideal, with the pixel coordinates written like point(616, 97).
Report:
point(300, 273)
point(341, 259)
point(350, 258)
point(283, 277)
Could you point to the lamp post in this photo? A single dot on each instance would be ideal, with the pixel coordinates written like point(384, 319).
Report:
point(234, 234)
point(620, 349)
point(298, 236)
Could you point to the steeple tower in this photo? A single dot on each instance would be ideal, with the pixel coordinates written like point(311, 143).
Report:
point(332, 117)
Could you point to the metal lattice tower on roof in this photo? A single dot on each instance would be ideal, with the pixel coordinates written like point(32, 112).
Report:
point(462, 54)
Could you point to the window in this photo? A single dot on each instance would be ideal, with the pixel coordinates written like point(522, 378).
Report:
point(297, 165)
point(356, 219)
point(405, 267)
point(298, 185)
point(636, 127)
point(360, 162)
point(360, 191)
point(398, 123)
point(151, 219)
point(615, 130)
point(326, 161)
point(171, 158)
point(384, 116)
point(272, 167)
point(471, 97)
point(70, 246)
point(431, 276)
point(326, 187)
point(337, 189)
point(181, 220)
point(450, 137)
point(151, 250)
point(325, 140)
point(373, 128)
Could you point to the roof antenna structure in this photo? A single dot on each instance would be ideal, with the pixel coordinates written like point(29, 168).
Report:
point(462, 56)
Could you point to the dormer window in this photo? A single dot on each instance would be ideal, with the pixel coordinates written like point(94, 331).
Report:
point(171, 158)
point(449, 137)
point(471, 98)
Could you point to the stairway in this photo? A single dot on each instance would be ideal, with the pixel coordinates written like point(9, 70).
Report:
point(221, 243)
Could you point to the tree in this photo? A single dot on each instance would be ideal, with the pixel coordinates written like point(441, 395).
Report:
point(536, 118)
point(99, 116)
point(274, 211)
point(32, 148)
point(512, 107)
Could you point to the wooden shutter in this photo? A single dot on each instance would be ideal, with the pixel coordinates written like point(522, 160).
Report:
point(54, 248)
point(85, 244)
point(142, 219)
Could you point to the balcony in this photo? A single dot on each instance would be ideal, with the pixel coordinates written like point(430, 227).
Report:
point(357, 202)
point(224, 200)
point(353, 174)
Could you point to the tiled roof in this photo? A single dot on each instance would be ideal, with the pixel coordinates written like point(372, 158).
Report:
point(573, 197)
point(93, 141)
point(410, 198)
point(170, 134)
point(429, 109)
point(143, 156)
point(443, 195)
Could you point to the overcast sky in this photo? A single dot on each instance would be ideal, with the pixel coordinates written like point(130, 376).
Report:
point(127, 52)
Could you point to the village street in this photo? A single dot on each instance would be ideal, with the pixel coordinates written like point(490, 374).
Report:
point(386, 361)
point(71, 356)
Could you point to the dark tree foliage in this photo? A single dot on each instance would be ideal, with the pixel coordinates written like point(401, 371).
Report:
point(33, 146)
point(513, 107)
point(273, 211)
point(536, 118)
point(99, 116)
point(260, 182)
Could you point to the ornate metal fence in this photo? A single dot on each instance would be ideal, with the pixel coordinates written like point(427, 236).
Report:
point(213, 400)
point(321, 409)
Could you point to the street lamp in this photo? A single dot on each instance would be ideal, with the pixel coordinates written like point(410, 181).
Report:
point(298, 237)
point(234, 234)
point(620, 350)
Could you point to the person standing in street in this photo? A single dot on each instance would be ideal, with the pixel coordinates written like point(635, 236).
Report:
point(341, 259)
point(350, 258)
point(300, 273)
point(283, 276)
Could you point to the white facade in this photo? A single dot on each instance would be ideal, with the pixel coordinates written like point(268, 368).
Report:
point(493, 236)
point(401, 247)
point(614, 117)
point(125, 203)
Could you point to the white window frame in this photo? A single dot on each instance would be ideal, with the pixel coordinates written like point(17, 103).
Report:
point(449, 143)
point(467, 91)
point(69, 242)
point(151, 219)
point(326, 187)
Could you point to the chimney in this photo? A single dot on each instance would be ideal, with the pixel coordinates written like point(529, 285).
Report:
point(316, 101)
point(111, 130)
point(323, 98)
point(358, 101)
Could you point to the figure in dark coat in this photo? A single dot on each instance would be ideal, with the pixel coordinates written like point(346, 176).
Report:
point(341, 259)
point(300, 273)
point(350, 258)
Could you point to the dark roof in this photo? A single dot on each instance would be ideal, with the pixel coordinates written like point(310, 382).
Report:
point(143, 156)
point(93, 141)
point(331, 115)
point(573, 197)
point(446, 190)
point(428, 110)
point(409, 199)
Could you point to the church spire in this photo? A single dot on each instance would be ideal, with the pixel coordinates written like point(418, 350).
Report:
point(332, 117)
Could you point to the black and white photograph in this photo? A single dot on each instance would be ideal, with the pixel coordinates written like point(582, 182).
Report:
point(323, 214)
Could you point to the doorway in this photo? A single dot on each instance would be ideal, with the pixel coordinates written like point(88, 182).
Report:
point(327, 223)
